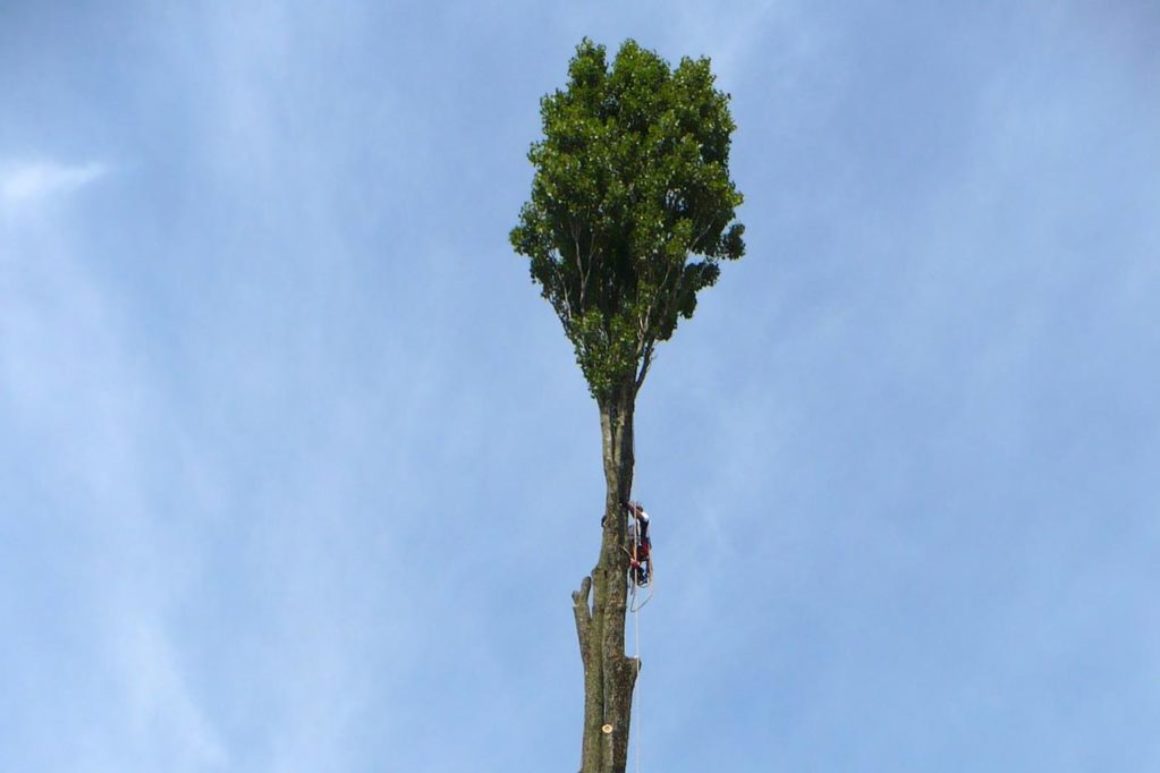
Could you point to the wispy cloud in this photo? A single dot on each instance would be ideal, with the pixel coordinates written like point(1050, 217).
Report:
point(162, 713)
point(26, 182)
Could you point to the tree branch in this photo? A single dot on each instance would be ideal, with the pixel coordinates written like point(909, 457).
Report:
point(646, 361)
point(564, 289)
point(583, 616)
point(704, 232)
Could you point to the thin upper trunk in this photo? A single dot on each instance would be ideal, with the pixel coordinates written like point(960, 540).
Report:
point(609, 675)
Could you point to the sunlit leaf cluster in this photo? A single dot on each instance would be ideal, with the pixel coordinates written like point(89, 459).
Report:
point(632, 206)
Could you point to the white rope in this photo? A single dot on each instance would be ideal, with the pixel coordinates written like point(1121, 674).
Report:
point(634, 607)
point(636, 691)
point(636, 614)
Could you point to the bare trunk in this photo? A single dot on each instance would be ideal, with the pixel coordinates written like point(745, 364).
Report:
point(601, 603)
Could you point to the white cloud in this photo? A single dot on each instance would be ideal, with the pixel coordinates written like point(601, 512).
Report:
point(22, 183)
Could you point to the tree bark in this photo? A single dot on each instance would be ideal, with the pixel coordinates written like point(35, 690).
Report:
point(601, 603)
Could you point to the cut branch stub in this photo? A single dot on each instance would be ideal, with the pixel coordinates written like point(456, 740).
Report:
point(583, 616)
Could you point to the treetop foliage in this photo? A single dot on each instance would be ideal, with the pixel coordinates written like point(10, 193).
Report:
point(632, 205)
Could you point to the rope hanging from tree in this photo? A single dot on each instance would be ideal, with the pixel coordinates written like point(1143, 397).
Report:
point(634, 572)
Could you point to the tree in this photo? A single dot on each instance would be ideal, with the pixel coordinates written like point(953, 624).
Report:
point(631, 211)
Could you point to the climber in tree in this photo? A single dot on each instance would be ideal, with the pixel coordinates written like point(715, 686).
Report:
point(640, 548)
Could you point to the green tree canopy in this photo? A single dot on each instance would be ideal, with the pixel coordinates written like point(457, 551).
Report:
point(632, 205)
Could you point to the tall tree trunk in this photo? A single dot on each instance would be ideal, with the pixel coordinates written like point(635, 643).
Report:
point(609, 674)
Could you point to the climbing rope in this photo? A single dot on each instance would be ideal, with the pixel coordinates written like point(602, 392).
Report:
point(635, 606)
point(636, 690)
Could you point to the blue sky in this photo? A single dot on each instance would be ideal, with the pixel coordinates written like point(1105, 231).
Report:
point(297, 472)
